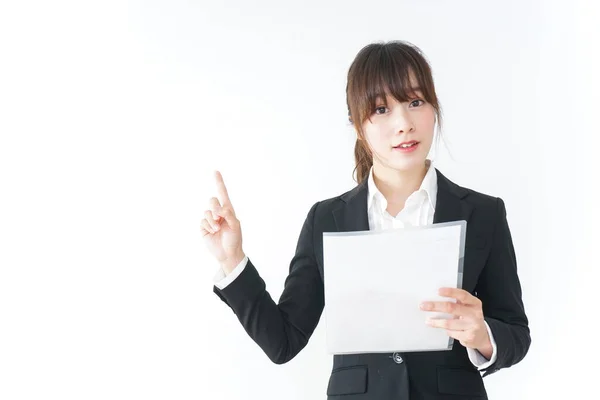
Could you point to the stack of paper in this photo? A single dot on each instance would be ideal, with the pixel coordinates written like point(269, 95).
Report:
point(376, 280)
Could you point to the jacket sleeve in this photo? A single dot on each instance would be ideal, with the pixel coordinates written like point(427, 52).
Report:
point(499, 290)
point(281, 329)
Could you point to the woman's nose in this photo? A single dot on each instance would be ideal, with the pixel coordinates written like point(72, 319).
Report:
point(403, 122)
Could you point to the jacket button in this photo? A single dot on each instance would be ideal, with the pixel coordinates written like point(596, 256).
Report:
point(397, 358)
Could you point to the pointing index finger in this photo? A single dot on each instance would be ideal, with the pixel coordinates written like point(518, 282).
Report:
point(222, 190)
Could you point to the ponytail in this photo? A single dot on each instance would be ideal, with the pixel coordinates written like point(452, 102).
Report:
point(363, 161)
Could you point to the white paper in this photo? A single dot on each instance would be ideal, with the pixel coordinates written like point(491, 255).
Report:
point(376, 280)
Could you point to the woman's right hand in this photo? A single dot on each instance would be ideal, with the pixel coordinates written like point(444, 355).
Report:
point(221, 229)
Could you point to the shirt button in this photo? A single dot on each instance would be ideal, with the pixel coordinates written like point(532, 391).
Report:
point(397, 358)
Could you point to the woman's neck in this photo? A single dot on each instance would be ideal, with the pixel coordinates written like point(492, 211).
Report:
point(396, 185)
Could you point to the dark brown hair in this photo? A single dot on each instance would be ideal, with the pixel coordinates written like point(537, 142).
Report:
point(379, 69)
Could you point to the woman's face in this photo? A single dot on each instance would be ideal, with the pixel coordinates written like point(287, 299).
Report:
point(410, 123)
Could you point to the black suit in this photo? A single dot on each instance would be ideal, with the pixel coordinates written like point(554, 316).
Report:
point(490, 273)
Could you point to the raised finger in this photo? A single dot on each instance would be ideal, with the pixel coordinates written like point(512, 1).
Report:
point(222, 190)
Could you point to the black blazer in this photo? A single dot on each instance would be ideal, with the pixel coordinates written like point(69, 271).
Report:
point(490, 273)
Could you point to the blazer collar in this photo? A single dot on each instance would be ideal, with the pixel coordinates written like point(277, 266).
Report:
point(352, 215)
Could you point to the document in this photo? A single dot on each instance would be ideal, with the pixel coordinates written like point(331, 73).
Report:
point(376, 280)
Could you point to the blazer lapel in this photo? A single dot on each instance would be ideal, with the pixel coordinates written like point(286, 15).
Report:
point(449, 205)
point(352, 214)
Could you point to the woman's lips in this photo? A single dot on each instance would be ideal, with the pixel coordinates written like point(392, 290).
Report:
point(412, 146)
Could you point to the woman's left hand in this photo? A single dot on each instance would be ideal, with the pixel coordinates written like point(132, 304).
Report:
point(468, 326)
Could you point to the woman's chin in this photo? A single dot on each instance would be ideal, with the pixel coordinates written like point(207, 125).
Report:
point(408, 164)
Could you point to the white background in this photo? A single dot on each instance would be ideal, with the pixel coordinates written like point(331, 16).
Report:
point(113, 116)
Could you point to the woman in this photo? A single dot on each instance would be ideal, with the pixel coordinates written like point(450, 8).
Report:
point(393, 106)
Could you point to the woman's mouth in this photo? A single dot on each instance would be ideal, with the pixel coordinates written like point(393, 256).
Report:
point(407, 147)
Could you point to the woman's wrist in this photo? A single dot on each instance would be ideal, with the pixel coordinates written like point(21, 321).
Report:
point(229, 264)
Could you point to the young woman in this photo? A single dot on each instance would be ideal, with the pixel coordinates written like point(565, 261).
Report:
point(394, 109)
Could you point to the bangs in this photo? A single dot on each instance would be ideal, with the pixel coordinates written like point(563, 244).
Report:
point(392, 70)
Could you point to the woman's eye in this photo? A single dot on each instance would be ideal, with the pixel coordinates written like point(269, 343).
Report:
point(415, 103)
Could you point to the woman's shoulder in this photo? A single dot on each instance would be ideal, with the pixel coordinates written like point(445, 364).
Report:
point(469, 194)
point(482, 201)
point(480, 197)
point(357, 192)
point(323, 207)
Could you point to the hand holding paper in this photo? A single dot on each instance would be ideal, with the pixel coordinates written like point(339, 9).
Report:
point(468, 325)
